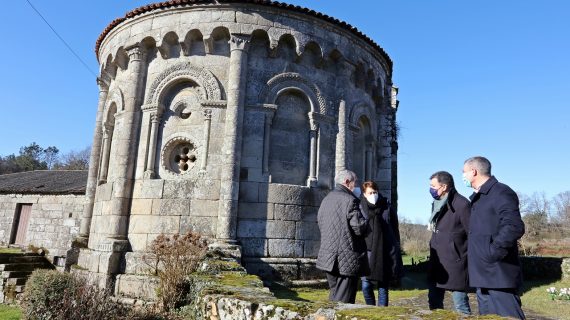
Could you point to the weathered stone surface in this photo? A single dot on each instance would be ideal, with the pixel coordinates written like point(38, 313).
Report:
point(285, 248)
point(288, 212)
point(236, 135)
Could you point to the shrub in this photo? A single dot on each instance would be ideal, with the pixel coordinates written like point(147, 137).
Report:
point(173, 259)
point(51, 294)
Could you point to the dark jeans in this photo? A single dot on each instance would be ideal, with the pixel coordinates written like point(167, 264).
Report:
point(504, 302)
point(368, 292)
point(460, 299)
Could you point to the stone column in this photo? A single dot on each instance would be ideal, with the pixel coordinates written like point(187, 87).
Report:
point(107, 138)
point(93, 164)
point(151, 155)
point(207, 126)
point(368, 162)
point(126, 144)
point(266, 140)
point(312, 180)
point(231, 151)
point(340, 162)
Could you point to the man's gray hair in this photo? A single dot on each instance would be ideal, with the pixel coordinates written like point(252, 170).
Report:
point(344, 175)
point(482, 164)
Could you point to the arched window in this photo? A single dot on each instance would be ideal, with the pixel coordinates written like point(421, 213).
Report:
point(362, 150)
point(290, 138)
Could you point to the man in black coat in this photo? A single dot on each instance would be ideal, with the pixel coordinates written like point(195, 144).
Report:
point(449, 224)
point(495, 228)
point(342, 253)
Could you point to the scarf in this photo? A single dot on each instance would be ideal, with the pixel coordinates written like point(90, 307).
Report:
point(436, 212)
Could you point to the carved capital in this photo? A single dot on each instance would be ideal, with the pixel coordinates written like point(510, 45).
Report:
point(103, 83)
point(154, 117)
point(207, 114)
point(239, 42)
point(394, 98)
point(135, 52)
point(107, 130)
point(150, 107)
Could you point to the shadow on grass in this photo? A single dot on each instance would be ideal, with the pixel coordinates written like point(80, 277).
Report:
point(282, 292)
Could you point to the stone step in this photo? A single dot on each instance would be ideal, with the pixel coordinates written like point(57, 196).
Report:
point(25, 266)
point(16, 274)
point(19, 257)
point(16, 281)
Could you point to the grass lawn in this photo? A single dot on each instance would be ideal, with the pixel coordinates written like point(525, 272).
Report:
point(536, 298)
point(10, 250)
point(10, 313)
point(413, 284)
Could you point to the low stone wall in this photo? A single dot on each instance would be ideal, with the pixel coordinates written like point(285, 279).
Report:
point(541, 268)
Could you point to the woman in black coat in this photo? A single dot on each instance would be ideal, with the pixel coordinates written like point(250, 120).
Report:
point(449, 223)
point(383, 244)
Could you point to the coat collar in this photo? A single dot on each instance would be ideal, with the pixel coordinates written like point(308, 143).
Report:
point(485, 188)
point(488, 185)
point(341, 188)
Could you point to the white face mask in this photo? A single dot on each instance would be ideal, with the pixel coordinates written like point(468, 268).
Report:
point(372, 198)
point(357, 192)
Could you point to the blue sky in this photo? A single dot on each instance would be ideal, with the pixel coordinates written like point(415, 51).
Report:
point(487, 78)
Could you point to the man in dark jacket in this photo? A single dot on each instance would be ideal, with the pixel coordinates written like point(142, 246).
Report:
point(449, 224)
point(495, 227)
point(342, 253)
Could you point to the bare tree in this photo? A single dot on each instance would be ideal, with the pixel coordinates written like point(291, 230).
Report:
point(74, 160)
point(562, 209)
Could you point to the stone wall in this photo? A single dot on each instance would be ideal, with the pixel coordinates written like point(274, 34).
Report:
point(231, 119)
point(53, 224)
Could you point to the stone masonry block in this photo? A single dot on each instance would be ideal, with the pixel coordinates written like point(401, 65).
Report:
point(175, 207)
point(311, 248)
point(166, 224)
point(141, 206)
point(249, 191)
point(138, 241)
point(307, 231)
point(178, 189)
point(205, 226)
point(284, 248)
point(254, 247)
point(310, 213)
point(148, 189)
point(251, 229)
point(288, 194)
point(204, 208)
point(248, 210)
point(141, 223)
point(281, 229)
point(288, 212)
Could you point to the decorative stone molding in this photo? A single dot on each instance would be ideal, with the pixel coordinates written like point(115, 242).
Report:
point(135, 52)
point(359, 110)
point(239, 42)
point(178, 157)
point(204, 78)
point(220, 104)
point(116, 97)
point(151, 107)
point(292, 80)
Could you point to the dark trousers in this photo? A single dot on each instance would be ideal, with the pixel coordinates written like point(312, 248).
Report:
point(342, 288)
point(504, 302)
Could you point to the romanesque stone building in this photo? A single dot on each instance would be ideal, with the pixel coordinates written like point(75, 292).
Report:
point(42, 209)
point(230, 118)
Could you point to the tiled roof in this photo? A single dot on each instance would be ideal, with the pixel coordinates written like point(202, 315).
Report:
point(175, 3)
point(44, 182)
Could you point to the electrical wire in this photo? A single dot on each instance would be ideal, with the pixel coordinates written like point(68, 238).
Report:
point(62, 40)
